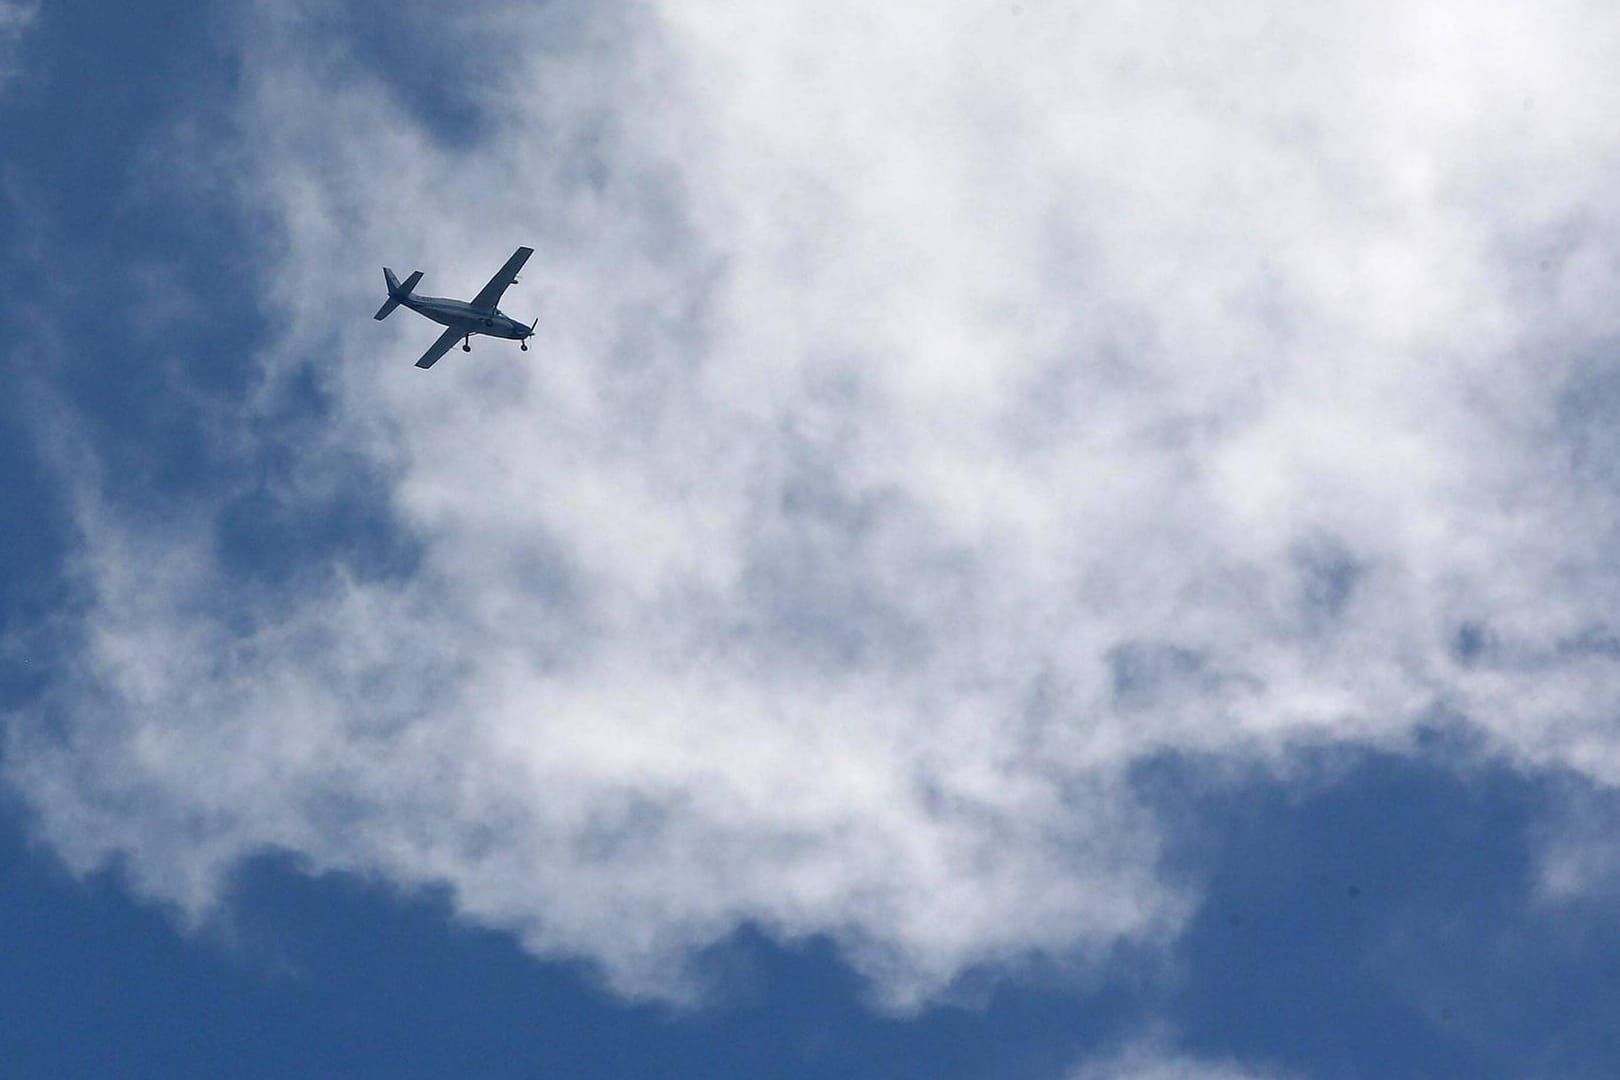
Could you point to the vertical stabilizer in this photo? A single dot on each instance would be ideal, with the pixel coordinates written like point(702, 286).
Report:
point(396, 291)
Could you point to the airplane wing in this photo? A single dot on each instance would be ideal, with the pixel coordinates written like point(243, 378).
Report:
point(440, 347)
point(490, 295)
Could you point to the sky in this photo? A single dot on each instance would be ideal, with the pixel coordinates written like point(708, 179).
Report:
point(1047, 539)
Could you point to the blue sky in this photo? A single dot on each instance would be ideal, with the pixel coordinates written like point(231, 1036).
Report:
point(1036, 540)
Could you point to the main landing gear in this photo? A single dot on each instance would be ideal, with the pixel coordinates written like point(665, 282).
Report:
point(466, 346)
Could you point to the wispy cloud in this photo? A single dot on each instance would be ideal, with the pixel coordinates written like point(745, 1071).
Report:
point(1153, 1057)
point(936, 410)
point(17, 17)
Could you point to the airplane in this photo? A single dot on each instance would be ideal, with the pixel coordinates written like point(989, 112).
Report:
point(464, 318)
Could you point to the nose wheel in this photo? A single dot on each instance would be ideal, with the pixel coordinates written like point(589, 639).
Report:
point(524, 345)
point(466, 346)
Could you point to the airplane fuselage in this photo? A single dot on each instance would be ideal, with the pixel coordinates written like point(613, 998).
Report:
point(464, 317)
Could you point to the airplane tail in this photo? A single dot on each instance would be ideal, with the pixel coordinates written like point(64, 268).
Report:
point(397, 291)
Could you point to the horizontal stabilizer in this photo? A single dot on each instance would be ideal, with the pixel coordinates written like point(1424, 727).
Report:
point(396, 292)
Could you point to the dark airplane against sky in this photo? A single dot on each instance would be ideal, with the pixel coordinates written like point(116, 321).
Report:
point(462, 318)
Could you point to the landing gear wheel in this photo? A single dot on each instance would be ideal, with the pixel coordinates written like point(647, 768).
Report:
point(466, 347)
point(524, 345)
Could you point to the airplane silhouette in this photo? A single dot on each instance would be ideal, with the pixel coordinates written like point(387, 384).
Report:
point(463, 318)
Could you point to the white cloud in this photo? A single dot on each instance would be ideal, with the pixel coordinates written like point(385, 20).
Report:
point(936, 409)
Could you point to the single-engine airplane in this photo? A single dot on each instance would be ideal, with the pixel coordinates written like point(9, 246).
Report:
point(464, 318)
